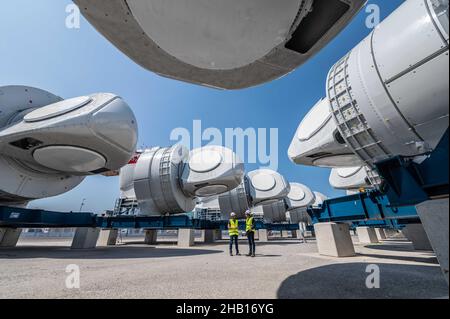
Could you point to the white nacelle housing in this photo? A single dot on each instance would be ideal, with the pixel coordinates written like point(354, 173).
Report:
point(320, 199)
point(350, 178)
point(298, 200)
point(275, 212)
point(48, 145)
point(389, 96)
point(259, 188)
point(318, 142)
point(212, 170)
point(229, 44)
point(169, 180)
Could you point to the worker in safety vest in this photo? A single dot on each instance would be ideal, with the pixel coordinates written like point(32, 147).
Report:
point(233, 229)
point(250, 228)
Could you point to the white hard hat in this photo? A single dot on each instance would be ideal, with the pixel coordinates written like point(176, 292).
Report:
point(233, 214)
point(248, 212)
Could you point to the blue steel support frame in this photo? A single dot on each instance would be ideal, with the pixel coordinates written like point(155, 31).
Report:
point(32, 218)
point(409, 183)
point(363, 207)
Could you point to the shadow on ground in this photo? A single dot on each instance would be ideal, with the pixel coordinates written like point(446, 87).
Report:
point(118, 252)
point(348, 281)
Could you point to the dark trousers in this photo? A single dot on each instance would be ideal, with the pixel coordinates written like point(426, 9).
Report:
point(234, 240)
point(251, 242)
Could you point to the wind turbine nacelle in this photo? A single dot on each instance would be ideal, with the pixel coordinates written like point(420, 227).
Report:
point(169, 180)
point(320, 199)
point(389, 96)
point(275, 212)
point(298, 200)
point(350, 178)
point(318, 141)
point(48, 145)
point(229, 44)
point(300, 196)
point(259, 188)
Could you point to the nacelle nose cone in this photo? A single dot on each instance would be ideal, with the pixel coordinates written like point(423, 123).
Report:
point(317, 141)
point(212, 170)
point(267, 186)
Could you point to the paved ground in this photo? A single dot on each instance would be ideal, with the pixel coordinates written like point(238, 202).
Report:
point(283, 269)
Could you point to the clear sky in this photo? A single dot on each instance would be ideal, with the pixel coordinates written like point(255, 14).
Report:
point(37, 49)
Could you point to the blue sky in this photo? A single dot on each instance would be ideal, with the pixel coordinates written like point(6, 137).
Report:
point(36, 49)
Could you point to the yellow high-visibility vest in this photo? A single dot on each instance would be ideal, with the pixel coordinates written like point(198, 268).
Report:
point(249, 225)
point(233, 227)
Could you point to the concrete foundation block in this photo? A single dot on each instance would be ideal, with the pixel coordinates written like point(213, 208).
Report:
point(392, 233)
point(108, 237)
point(186, 237)
point(417, 235)
point(333, 239)
point(9, 237)
point(263, 235)
point(367, 235)
point(208, 236)
point(381, 235)
point(218, 234)
point(435, 218)
point(151, 237)
point(85, 238)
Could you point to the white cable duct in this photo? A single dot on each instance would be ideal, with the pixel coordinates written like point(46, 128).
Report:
point(229, 44)
point(170, 180)
point(48, 145)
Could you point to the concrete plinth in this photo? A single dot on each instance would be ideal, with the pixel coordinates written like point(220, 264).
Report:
point(151, 237)
point(218, 234)
point(334, 240)
point(294, 234)
point(85, 238)
point(9, 237)
point(108, 237)
point(391, 233)
point(381, 235)
point(434, 217)
point(367, 235)
point(417, 235)
point(186, 237)
point(208, 236)
point(263, 235)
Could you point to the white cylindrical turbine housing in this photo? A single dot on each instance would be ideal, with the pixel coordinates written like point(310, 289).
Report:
point(48, 145)
point(168, 180)
point(259, 188)
point(275, 212)
point(229, 44)
point(389, 96)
